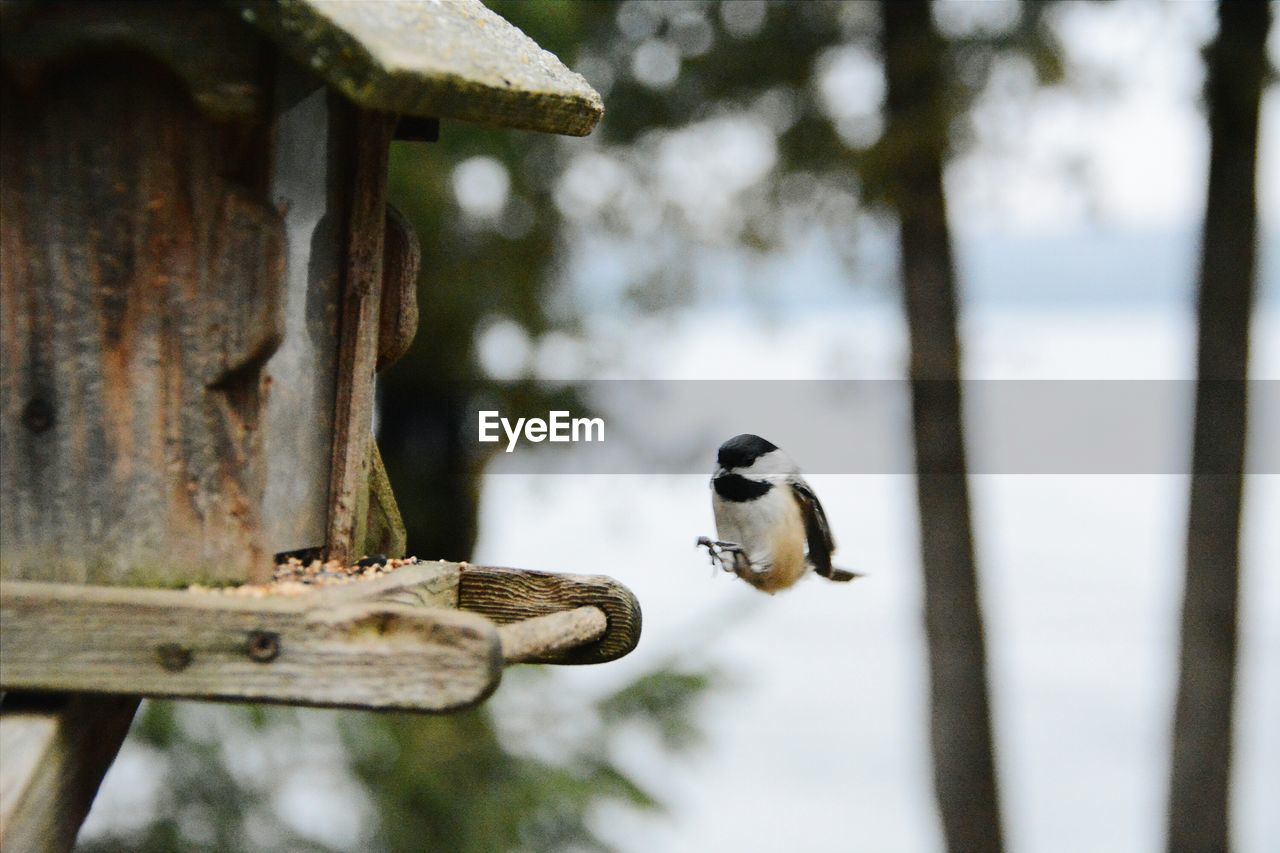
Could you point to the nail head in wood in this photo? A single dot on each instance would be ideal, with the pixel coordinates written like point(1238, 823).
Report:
point(264, 646)
point(173, 657)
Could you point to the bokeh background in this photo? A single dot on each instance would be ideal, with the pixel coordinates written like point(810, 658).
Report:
point(733, 218)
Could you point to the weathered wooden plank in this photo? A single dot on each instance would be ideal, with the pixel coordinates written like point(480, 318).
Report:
point(543, 637)
point(511, 595)
point(358, 335)
point(139, 298)
point(454, 59)
point(309, 182)
point(52, 758)
point(389, 643)
point(384, 531)
point(423, 585)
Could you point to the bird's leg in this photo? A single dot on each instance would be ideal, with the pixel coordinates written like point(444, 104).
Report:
point(718, 549)
point(717, 560)
point(741, 562)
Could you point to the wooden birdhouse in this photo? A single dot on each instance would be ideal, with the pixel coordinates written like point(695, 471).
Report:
point(200, 278)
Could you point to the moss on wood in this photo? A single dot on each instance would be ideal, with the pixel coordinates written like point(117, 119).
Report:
point(454, 59)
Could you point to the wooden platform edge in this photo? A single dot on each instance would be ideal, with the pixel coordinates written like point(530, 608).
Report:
point(382, 644)
point(430, 637)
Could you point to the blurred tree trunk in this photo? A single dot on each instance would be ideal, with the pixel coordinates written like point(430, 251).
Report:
point(918, 117)
point(1201, 767)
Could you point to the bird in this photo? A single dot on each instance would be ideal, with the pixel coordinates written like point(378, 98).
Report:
point(771, 527)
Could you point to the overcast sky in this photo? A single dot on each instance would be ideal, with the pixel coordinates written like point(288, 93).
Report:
point(1141, 139)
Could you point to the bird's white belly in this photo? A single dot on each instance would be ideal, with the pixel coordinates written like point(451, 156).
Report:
point(771, 532)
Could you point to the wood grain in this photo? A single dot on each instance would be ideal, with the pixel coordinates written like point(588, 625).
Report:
point(388, 644)
point(52, 760)
point(140, 295)
point(511, 595)
point(544, 637)
point(358, 334)
point(395, 641)
point(423, 584)
point(309, 182)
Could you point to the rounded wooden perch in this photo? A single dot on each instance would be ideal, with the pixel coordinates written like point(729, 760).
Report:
point(542, 637)
point(512, 595)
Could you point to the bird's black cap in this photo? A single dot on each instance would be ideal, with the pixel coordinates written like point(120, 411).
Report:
point(741, 450)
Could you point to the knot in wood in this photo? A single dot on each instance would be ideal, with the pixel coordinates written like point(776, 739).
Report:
point(173, 657)
point(264, 646)
point(37, 415)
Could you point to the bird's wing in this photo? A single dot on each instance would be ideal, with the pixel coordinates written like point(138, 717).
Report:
point(817, 531)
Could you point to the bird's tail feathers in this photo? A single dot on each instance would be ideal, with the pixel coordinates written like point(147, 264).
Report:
point(843, 575)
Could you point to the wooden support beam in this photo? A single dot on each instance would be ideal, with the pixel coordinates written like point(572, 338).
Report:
point(394, 642)
point(358, 334)
point(52, 758)
point(422, 637)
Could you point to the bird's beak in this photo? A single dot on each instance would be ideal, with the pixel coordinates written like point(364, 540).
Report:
point(719, 472)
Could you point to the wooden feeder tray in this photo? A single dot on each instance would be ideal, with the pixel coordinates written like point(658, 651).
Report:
point(417, 636)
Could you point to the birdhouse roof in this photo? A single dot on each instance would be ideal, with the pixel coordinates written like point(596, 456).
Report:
point(440, 58)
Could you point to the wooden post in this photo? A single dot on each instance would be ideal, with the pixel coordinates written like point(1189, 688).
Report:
point(358, 344)
point(54, 752)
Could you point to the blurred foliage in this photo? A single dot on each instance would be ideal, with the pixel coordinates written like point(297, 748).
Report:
point(652, 697)
point(200, 803)
point(223, 774)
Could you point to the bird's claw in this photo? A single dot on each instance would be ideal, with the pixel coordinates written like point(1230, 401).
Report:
point(713, 551)
point(717, 550)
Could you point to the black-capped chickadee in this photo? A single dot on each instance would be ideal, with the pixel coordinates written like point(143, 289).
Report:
point(771, 526)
